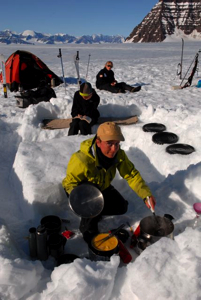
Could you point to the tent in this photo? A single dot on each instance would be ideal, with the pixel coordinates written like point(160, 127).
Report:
point(25, 70)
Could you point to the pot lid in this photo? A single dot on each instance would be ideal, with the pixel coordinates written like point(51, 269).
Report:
point(86, 201)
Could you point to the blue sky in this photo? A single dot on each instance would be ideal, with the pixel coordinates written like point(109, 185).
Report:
point(75, 17)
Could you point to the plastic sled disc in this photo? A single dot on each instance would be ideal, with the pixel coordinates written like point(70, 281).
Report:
point(165, 138)
point(153, 127)
point(180, 149)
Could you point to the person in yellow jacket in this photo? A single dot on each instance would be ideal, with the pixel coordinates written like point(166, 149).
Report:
point(96, 162)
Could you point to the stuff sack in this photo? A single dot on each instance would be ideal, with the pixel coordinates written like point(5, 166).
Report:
point(44, 93)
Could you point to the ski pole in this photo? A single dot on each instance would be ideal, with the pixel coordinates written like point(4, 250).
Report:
point(76, 61)
point(62, 67)
point(180, 65)
point(4, 80)
point(88, 66)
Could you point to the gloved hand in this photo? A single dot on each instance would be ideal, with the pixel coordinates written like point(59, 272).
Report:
point(151, 202)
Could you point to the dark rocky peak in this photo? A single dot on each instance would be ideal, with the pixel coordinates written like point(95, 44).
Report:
point(167, 18)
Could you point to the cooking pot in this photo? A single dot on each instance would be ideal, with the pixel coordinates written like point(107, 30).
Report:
point(66, 259)
point(56, 243)
point(100, 249)
point(52, 224)
point(153, 228)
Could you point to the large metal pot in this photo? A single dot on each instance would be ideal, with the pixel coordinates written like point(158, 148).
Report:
point(153, 228)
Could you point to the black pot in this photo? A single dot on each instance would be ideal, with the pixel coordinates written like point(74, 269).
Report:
point(97, 254)
point(156, 227)
point(52, 224)
point(66, 259)
point(56, 243)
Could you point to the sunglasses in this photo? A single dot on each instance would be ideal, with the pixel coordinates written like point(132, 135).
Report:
point(109, 66)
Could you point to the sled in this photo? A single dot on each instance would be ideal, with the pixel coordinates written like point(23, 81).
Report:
point(65, 123)
point(176, 87)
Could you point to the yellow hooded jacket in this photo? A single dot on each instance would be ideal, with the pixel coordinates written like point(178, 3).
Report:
point(84, 167)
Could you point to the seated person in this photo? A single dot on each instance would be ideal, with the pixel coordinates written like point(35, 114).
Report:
point(105, 81)
point(84, 110)
point(97, 162)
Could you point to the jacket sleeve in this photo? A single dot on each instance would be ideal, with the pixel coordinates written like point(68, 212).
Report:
point(75, 107)
point(128, 171)
point(75, 174)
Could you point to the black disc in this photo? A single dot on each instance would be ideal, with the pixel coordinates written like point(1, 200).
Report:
point(180, 149)
point(153, 127)
point(165, 138)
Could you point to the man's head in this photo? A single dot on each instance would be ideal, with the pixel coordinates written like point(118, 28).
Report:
point(109, 65)
point(109, 136)
point(86, 90)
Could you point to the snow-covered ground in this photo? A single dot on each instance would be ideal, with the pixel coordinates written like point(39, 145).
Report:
point(33, 163)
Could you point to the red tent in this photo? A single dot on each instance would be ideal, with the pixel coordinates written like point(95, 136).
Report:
point(24, 69)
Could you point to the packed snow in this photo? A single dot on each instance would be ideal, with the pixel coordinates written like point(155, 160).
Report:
point(33, 163)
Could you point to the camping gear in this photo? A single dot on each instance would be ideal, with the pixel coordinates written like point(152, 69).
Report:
point(41, 241)
point(197, 219)
point(68, 233)
point(152, 210)
point(62, 67)
point(111, 234)
point(66, 259)
point(99, 250)
point(25, 70)
point(87, 66)
point(65, 123)
point(2, 62)
point(124, 254)
point(149, 231)
point(153, 127)
point(122, 235)
point(180, 149)
point(197, 208)
point(56, 243)
point(76, 61)
point(190, 78)
point(32, 242)
point(199, 84)
point(51, 223)
point(165, 138)
point(43, 93)
point(180, 65)
point(86, 200)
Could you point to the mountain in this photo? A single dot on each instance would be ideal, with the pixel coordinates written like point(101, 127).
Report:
point(31, 37)
point(169, 19)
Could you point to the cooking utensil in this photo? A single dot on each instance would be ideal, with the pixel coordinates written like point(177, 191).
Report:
point(51, 223)
point(103, 252)
point(153, 211)
point(86, 201)
point(111, 234)
point(162, 228)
